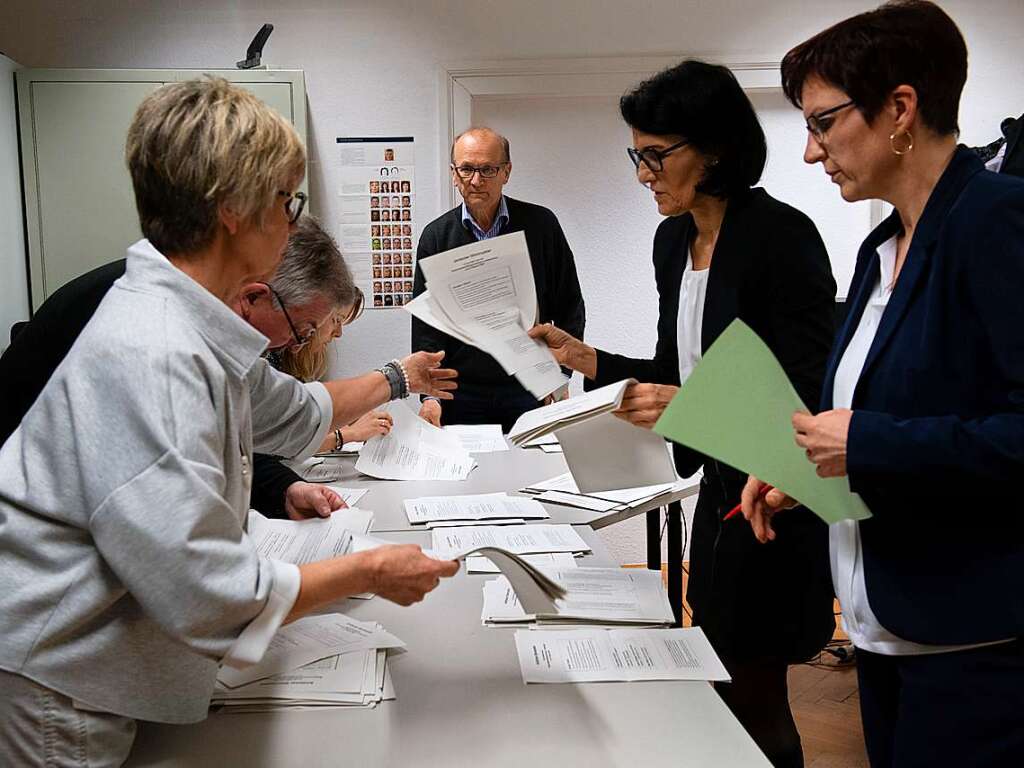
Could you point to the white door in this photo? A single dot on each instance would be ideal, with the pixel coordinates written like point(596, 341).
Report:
point(13, 280)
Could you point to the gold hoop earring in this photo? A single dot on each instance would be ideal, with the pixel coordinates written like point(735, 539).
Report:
point(901, 152)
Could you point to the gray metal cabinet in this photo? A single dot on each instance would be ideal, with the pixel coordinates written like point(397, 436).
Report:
point(79, 207)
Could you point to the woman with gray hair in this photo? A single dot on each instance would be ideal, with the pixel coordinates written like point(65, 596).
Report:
point(128, 577)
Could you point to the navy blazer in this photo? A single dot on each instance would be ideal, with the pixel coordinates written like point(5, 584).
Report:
point(936, 442)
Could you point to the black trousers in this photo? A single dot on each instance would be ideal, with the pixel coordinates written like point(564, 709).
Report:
point(962, 709)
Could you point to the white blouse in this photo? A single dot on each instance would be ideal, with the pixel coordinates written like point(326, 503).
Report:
point(845, 551)
point(690, 320)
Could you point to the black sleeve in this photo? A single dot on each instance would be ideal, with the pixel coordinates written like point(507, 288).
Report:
point(270, 480)
point(424, 337)
point(569, 311)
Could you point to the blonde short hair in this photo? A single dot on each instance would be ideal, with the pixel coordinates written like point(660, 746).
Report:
point(195, 145)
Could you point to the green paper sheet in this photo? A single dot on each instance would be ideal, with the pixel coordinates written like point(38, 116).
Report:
point(736, 407)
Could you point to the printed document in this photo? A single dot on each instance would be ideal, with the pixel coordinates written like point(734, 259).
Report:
point(519, 539)
point(472, 507)
point(481, 564)
point(548, 418)
point(306, 541)
point(617, 655)
point(479, 438)
point(414, 450)
point(484, 294)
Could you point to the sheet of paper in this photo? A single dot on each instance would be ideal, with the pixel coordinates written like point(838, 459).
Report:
point(548, 418)
point(480, 563)
point(520, 539)
point(593, 595)
point(339, 674)
point(350, 496)
point(479, 438)
point(305, 541)
point(542, 440)
point(309, 639)
point(430, 524)
point(485, 292)
point(562, 489)
point(617, 655)
point(319, 470)
point(551, 448)
point(607, 453)
point(414, 450)
point(736, 407)
point(472, 507)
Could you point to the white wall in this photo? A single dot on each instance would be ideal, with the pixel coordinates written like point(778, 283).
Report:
point(372, 68)
point(13, 280)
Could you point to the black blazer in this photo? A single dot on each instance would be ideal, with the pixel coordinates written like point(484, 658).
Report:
point(936, 442)
point(770, 269)
point(559, 299)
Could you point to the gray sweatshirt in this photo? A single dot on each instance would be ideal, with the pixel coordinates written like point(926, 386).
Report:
point(126, 576)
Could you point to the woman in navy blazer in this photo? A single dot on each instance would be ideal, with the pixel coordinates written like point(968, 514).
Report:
point(923, 402)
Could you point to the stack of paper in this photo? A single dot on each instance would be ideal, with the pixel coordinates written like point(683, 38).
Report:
point(518, 539)
point(318, 661)
point(592, 596)
point(548, 418)
point(547, 561)
point(308, 541)
point(473, 509)
point(484, 294)
point(479, 438)
point(414, 449)
point(318, 469)
point(617, 655)
point(563, 490)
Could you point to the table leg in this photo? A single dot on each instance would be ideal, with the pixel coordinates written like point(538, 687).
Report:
point(675, 560)
point(654, 539)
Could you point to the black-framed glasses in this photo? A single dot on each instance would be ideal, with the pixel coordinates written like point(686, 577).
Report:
point(819, 123)
point(486, 171)
point(300, 341)
point(653, 158)
point(293, 204)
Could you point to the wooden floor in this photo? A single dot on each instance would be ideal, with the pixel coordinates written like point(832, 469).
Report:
point(826, 708)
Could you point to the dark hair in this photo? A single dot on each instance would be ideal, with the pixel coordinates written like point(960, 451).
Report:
point(905, 42)
point(704, 104)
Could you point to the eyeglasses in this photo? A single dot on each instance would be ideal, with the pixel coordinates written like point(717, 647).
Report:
point(300, 341)
point(291, 207)
point(653, 158)
point(819, 123)
point(486, 171)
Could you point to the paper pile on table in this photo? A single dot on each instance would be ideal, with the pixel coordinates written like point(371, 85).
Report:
point(414, 449)
point(307, 541)
point(318, 661)
point(484, 294)
point(471, 509)
point(562, 489)
point(575, 410)
point(518, 539)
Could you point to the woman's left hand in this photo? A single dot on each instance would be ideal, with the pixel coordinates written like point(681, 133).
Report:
point(304, 500)
point(643, 403)
point(823, 438)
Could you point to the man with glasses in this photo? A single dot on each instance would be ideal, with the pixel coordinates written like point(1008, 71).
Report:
point(481, 166)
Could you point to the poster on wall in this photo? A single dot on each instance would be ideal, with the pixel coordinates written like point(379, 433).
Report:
point(377, 228)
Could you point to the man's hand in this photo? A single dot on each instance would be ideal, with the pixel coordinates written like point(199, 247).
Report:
point(368, 425)
point(642, 404)
point(426, 377)
point(402, 574)
point(823, 438)
point(304, 500)
point(430, 411)
point(560, 394)
point(760, 510)
point(569, 352)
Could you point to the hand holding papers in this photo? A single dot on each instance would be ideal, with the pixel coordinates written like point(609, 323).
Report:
point(484, 294)
point(617, 655)
point(472, 507)
point(736, 406)
point(414, 450)
point(548, 418)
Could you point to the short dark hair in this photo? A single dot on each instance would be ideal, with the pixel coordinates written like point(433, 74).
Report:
point(904, 42)
point(705, 105)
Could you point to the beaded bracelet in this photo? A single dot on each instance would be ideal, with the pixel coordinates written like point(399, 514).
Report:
point(405, 377)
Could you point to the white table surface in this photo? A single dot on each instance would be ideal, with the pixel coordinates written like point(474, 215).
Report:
point(496, 472)
point(461, 702)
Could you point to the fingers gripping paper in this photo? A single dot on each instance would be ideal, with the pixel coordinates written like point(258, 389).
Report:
point(736, 407)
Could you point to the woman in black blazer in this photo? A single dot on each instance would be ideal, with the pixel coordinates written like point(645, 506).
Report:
point(699, 147)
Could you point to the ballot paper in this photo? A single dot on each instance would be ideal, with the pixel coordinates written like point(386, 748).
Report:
point(562, 489)
point(414, 450)
point(592, 596)
point(617, 655)
point(481, 564)
point(308, 639)
point(541, 440)
point(484, 294)
point(319, 470)
point(479, 438)
point(350, 496)
point(307, 541)
point(548, 418)
point(472, 507)
point(519, 539)
point(431, 524)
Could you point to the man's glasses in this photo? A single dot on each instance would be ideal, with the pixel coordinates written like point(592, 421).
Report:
point(486, 171)
point(819, 123)
point(300, 341)
point(653, 158)
point(293, 205)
